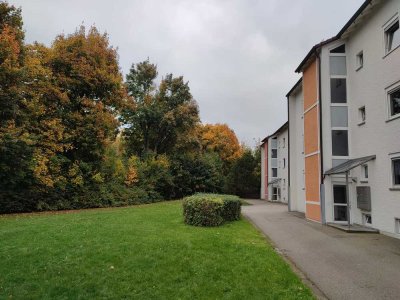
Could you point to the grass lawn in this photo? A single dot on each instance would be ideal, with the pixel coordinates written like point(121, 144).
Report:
point(142, 252)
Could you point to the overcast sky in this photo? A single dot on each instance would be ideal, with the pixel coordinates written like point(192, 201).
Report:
point(239, 56)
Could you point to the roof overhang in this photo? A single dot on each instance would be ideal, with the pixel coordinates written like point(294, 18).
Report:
point(283, 127)
point(274, 181)
point(361, 14)
point(349, 165)
point(294, 88)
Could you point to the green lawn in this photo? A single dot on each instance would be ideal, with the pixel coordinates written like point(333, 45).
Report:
point(142, 252)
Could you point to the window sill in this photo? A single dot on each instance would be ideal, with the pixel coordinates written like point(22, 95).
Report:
point(394, 49)
point(363, 181)
point(361, 123)
point(393, 118)
point(395, 188)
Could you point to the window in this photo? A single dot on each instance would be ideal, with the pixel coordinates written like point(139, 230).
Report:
point(274, 143)
point(361, 115)
point(338, 65)
point(394, 102)
point(338, 90)
point(364, 169)
point(360, 60)
point(340, 49)
point(392, 37)
point(339, 116)
point(340, 145)
point(276, 193)
point(284, 163)
point(396, 171)
point(274, 172)
point(367, 219)
point(274, 153)
point(397, 225)
point(284, 143)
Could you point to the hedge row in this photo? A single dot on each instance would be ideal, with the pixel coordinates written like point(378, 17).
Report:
point(211, 209)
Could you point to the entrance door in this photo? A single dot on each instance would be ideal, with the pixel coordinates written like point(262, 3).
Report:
point(339, 203)
point(276, 193)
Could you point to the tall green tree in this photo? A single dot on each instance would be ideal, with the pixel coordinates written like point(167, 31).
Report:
point(158, 116)
point(86, 67)
point(15, 142)
point(244, 177)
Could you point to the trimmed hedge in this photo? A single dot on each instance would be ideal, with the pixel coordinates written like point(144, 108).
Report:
point(211, 209)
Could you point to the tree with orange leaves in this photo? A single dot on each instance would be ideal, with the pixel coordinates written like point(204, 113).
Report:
point(221, 139)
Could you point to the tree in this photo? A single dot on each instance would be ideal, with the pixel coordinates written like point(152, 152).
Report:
point(86, 68)
point(15, 142)
point(221, 139)
point(244, 177)
point(158, 116)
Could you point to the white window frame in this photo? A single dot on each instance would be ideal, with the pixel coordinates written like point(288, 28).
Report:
point(272, 172)
point(389, 91)
point(338, 204)
point(386, 27)
point(397, 225)
point(396, 186)
point(365, 219)
point(364, 179)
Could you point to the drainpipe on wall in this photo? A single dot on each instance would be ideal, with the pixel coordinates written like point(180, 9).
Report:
point(321, 149)
point(288, 157)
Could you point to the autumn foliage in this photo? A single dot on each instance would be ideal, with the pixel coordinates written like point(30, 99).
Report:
point(73, 134)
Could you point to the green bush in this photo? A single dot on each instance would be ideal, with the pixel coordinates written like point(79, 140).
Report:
point(231, 209)
point(211, 209)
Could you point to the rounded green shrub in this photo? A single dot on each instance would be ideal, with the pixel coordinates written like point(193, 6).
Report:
point(211, 209)
point(231, 209)
point(202, 211)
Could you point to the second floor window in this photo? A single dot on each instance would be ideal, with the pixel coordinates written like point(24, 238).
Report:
point(392, 36)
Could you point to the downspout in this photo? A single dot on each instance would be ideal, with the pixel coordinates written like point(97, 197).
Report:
point(321, 149)
point(288, 164)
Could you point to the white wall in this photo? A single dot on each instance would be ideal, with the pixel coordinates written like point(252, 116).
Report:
point(282, 150)
point(296, 136)
point(377, 136)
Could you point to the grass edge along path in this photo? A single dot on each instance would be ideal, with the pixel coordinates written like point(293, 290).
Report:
point(139, 252)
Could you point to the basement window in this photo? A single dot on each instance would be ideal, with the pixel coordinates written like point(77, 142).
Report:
point(397, 225)
point(367, 219)
point(392, 36)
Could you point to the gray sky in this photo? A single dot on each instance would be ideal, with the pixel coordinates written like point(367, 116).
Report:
point(239, 56)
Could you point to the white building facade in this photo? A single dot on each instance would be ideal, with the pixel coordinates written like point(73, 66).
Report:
point(358, 102)
point(274, 166)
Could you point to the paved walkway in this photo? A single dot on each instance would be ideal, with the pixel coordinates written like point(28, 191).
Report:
point(342, 265)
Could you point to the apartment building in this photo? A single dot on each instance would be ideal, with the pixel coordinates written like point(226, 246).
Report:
point(274, 166)
point(344, 124)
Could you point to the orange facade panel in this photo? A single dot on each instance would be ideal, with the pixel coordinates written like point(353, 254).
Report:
point(310, 89)
point(313, 212)
point(311, 142)
point(312, 178)
point(311, 131)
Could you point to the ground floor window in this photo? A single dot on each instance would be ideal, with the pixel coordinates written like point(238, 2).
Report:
point(367, 219)
point(396, 171)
